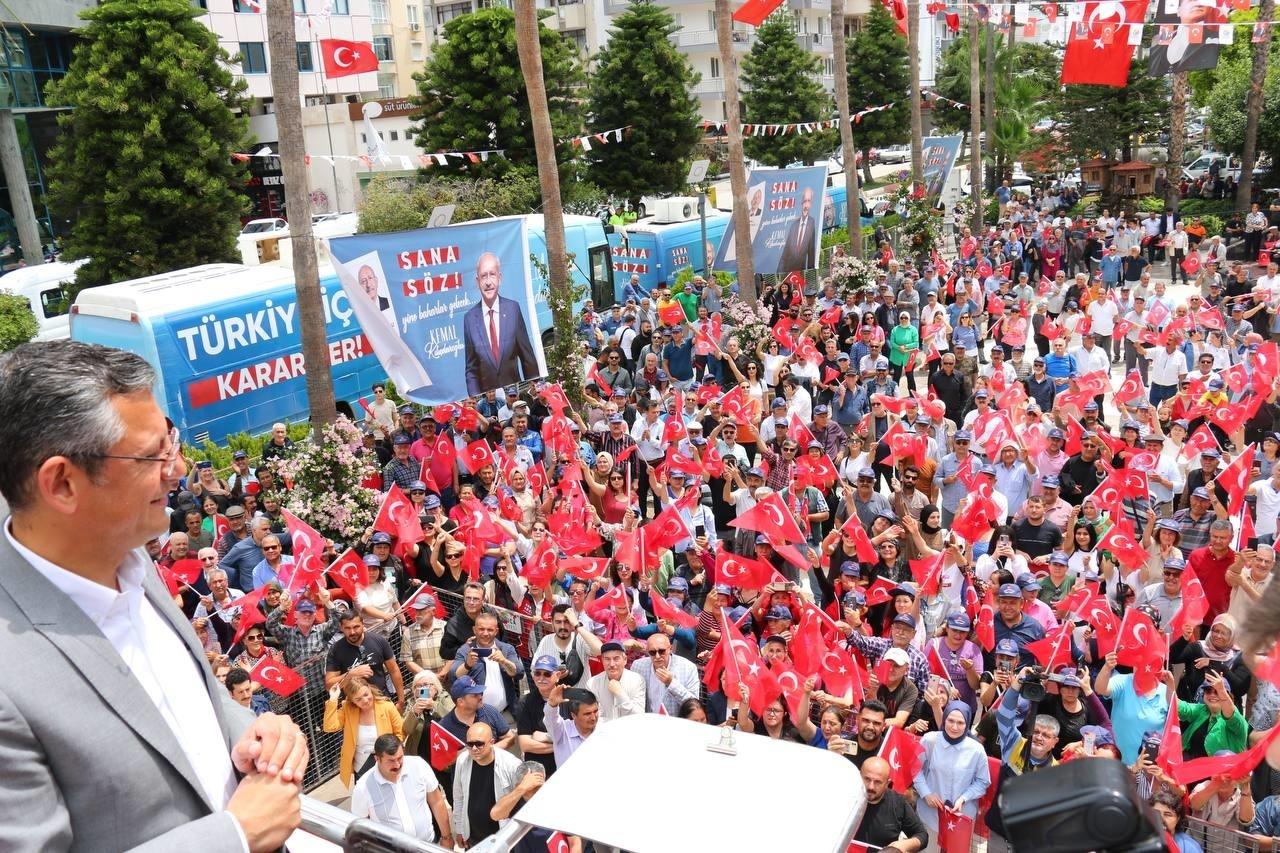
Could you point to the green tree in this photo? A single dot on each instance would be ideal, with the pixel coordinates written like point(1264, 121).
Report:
point(641, 80)
point(1203, 81)
point(1105, 120)
point(1226, 102)
point(143, 161)
point(17, 322)
point(781, 85)
point(473, 97)
point(878, 74)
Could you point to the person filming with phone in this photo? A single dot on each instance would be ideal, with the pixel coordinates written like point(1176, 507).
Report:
point(491, 663)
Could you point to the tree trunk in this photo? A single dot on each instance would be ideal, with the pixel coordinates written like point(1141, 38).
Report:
point(866, 166)
point(1257, 77)
point(913, 59)
point(989, 103)
point(282, 46)
point(852, 190)
point(1177, 138)
point(975, 121)
point(563, 366)
point(737, 164)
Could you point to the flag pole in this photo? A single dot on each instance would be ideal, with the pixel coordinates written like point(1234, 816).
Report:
point(324, 91)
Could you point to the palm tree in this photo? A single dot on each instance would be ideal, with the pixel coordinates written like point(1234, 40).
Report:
point(1257, 77)
point(989, 102)
point(975, 120)
point(297, 197)
point(737, 165)
point(1177, 138)
point(852, 190)
point(529, 48)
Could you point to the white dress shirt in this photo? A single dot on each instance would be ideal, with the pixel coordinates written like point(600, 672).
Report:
point(684, 684)
point(401, 805)
point(158, 659)
point(1167, 368)
point(611, 707)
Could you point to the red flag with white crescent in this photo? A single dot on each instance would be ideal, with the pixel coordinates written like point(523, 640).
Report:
point(276, 677)
point(444, 746)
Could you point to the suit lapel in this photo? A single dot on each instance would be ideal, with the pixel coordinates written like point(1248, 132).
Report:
point(57, 618)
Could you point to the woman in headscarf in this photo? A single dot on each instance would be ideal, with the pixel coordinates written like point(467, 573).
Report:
point(1217, 653)
point(954, 774)
point(924, 536)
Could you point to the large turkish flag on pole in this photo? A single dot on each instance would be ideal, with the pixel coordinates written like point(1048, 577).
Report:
point(1098, 48)
point(342, 58)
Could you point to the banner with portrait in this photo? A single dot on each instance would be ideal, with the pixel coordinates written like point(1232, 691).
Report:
point(449, 311)
point(783, 206)
point(939, 154)
point(1188, 36)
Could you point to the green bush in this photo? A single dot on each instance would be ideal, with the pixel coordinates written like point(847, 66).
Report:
point(1212, 224)
point(1151, 204)
point(251, 444)
point(1206, 206)
point(17, 322)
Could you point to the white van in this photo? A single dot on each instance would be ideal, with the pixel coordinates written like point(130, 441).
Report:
point(44, 287)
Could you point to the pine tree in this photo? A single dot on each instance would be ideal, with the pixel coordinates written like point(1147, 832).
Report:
point(878, 75)
point(143, 163)
point(472, 94)
point(780, 82)
point(641, 80)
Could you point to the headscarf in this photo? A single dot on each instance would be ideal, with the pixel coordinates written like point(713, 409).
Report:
point(925, 528)
point(965, 711)
point(1211, 651)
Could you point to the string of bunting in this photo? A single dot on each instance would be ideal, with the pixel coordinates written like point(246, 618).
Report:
point(798, 128)
point(439, 158)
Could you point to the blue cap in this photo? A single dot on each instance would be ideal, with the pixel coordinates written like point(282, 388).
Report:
point(1131, 424)
point(902, 589)
point(882, 363)
point(777, 611)
point(1211, 452)
point(1049, 481)
point(1008, 647)
point(1175, 563)
point(371, 560)
point(980, 393)
point(677, 583)
point(1201, 492)
point(417, 486)
point(905, 619)
point(755, 472)
point(779, 403)
point(1059, 557)
point(546, 663)
point(401, 438)
point(866, 473)
point(1009, 590)
point(1056, 433)
point(821, 410)
point(239, 454)
point(1027, 581)
point(959, 622)
point(465, 686)
point(407, 410)
point(431, 502)
point(306, 605)
point(723, 589)
point(380, 538)
point(963, 435)
point(617, 419)
point(761, 539)
point(850, 569)
point(989, 469)
point(1091, 406)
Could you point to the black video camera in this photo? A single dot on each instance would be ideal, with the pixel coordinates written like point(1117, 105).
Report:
point(1033, 684)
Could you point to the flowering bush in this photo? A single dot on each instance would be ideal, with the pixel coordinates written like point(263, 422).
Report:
point(850, 273)
point(326, 490)
point(921, 225)
point(750, 323)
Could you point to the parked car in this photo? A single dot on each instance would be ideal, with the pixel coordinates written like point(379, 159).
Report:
point(265, 226)
point(894, 154)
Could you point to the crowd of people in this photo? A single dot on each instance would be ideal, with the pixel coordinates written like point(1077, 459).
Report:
point(972, 478)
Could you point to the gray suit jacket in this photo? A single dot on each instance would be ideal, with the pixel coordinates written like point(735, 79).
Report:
point(86, 761)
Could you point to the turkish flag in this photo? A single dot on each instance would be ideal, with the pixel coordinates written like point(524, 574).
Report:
point(553, 395)
point(668, 612)
point(1231, 419)
point(220, 526)
point(973, 521)
point(862, 543)
point(477, 455)
point(1136, 635)
point(905, 754)
point(349, 572)
point(585, 568)
point(1266, 366)
point(1192, 263)
point(984, 628)
point(343, 58)
point(798, 432)
point(771, 517)
point(739, 571)
point(791, 683)
point(1124, 545)
point(398, 517)
point(806, 646)
point(1169, 756)
point(879, 591)
point(1106, 625)
point(1094, 383)
point(1235, 479)
point(444, 747)
point(1195, 604)
point(1131, 388)
point(558, 842)
point(188, 570)
point(541, 566)
point(1235, 767)
point(671, 314)
point(1050, 330)
point(1199, 441)
point(928, 573)
point(615, 597)
point(841, 675)
point(754, 12)
point(306, 539)
point(250, 615)
point(955, 832)
point(1055, 649)
point(411, 604)
point(276, 677)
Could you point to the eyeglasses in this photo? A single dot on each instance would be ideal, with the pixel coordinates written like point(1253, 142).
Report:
point(477, 744)
point(271, 547)
point(212, 559)
point(169, 462)
point(542, 673)
point(657, 653)
point(453, 556)
point(253, 636)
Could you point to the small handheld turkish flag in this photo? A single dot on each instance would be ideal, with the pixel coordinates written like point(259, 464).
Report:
point(444, 746)
point(276, 677)
point(349, 572)
point(905, 755)
point(955, 832)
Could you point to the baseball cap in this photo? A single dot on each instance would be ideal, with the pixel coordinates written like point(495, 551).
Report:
point(417, 486)
point(204, 463)
point(959, 622)
point(1174, 564)
point(777, 611)
point(821, 410)
point(1009, 590)
point(866, 474)
point(546, 663)
point(371, 560)
point(617, 419)
point(755, 472)
point(850, 569)
point(963, 435)
point(1201, 492)
point(779, 403)
point(989, 469)
point(1059, 557)
point(678, 583)
point(895, 655)
point(723, 589)
point(464, 685)
point(239, 454)
point(401, 438)
point(431, 502)
point(1027, 581)
point(1091, 406)
point(612, 646)
point(982, 392)
point(305, 606)
point(882, 364)
point(905, 619)
point(902, 589)
point(407, 410)
point(1049, 481)
point(380, 538)
point(1069, 679)
point(761, 539)
point(1007, 647)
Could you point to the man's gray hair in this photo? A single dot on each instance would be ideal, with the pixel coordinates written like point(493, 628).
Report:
point(55, 400)
point(1049, 724)
point(1221, 525)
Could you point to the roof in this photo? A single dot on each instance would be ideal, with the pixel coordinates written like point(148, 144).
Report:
point(1133, 166)
point(1096, 162)
point(183, 290)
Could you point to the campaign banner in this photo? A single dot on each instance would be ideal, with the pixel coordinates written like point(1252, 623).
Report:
point(450, 311)
point(1188, 36)
point(939, 153)
point(782, 209)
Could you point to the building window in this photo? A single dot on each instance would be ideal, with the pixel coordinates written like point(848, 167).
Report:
point(579, 39)
point(364, 140)
point(715, 68)
point(412, 12)
point(299, 7)
point(244, 7)
point(341, 7)
point(450, 11)
point(378, 12)
point(386, 85)
point(253, 57)
point(304, 56)
point(200, 4)
point(416, 52)
point(382, 48)
point(395, 135)
point(493, 4)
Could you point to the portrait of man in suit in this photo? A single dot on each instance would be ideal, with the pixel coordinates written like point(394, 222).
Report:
point(143, 748)
point(495, 336)
point(800, 251)
point(375, 288)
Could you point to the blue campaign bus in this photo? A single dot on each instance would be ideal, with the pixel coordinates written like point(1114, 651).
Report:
point(835, 213)
point(226, 341)
point(655, 251)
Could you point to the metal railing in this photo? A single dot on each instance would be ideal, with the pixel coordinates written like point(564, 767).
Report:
point(1221, 839)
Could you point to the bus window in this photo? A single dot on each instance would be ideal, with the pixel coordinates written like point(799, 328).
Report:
point(602, 293)
point(54, 302)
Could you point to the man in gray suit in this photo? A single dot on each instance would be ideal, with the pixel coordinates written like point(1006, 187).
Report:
point(495, 338)
point(114, 734)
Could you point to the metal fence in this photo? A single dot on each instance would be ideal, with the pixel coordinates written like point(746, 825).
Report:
point(1221, 839)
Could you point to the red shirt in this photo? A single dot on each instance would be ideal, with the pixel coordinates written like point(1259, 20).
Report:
point(1212, 572)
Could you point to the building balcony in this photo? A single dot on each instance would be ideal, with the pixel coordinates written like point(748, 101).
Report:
point(815, 42)
point(696, 41)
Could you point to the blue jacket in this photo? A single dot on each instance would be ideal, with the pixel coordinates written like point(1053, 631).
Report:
point(240, 562)
point(510, 683)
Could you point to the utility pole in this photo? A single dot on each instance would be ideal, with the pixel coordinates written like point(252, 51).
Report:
point(852, 190)
point(281, 45)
